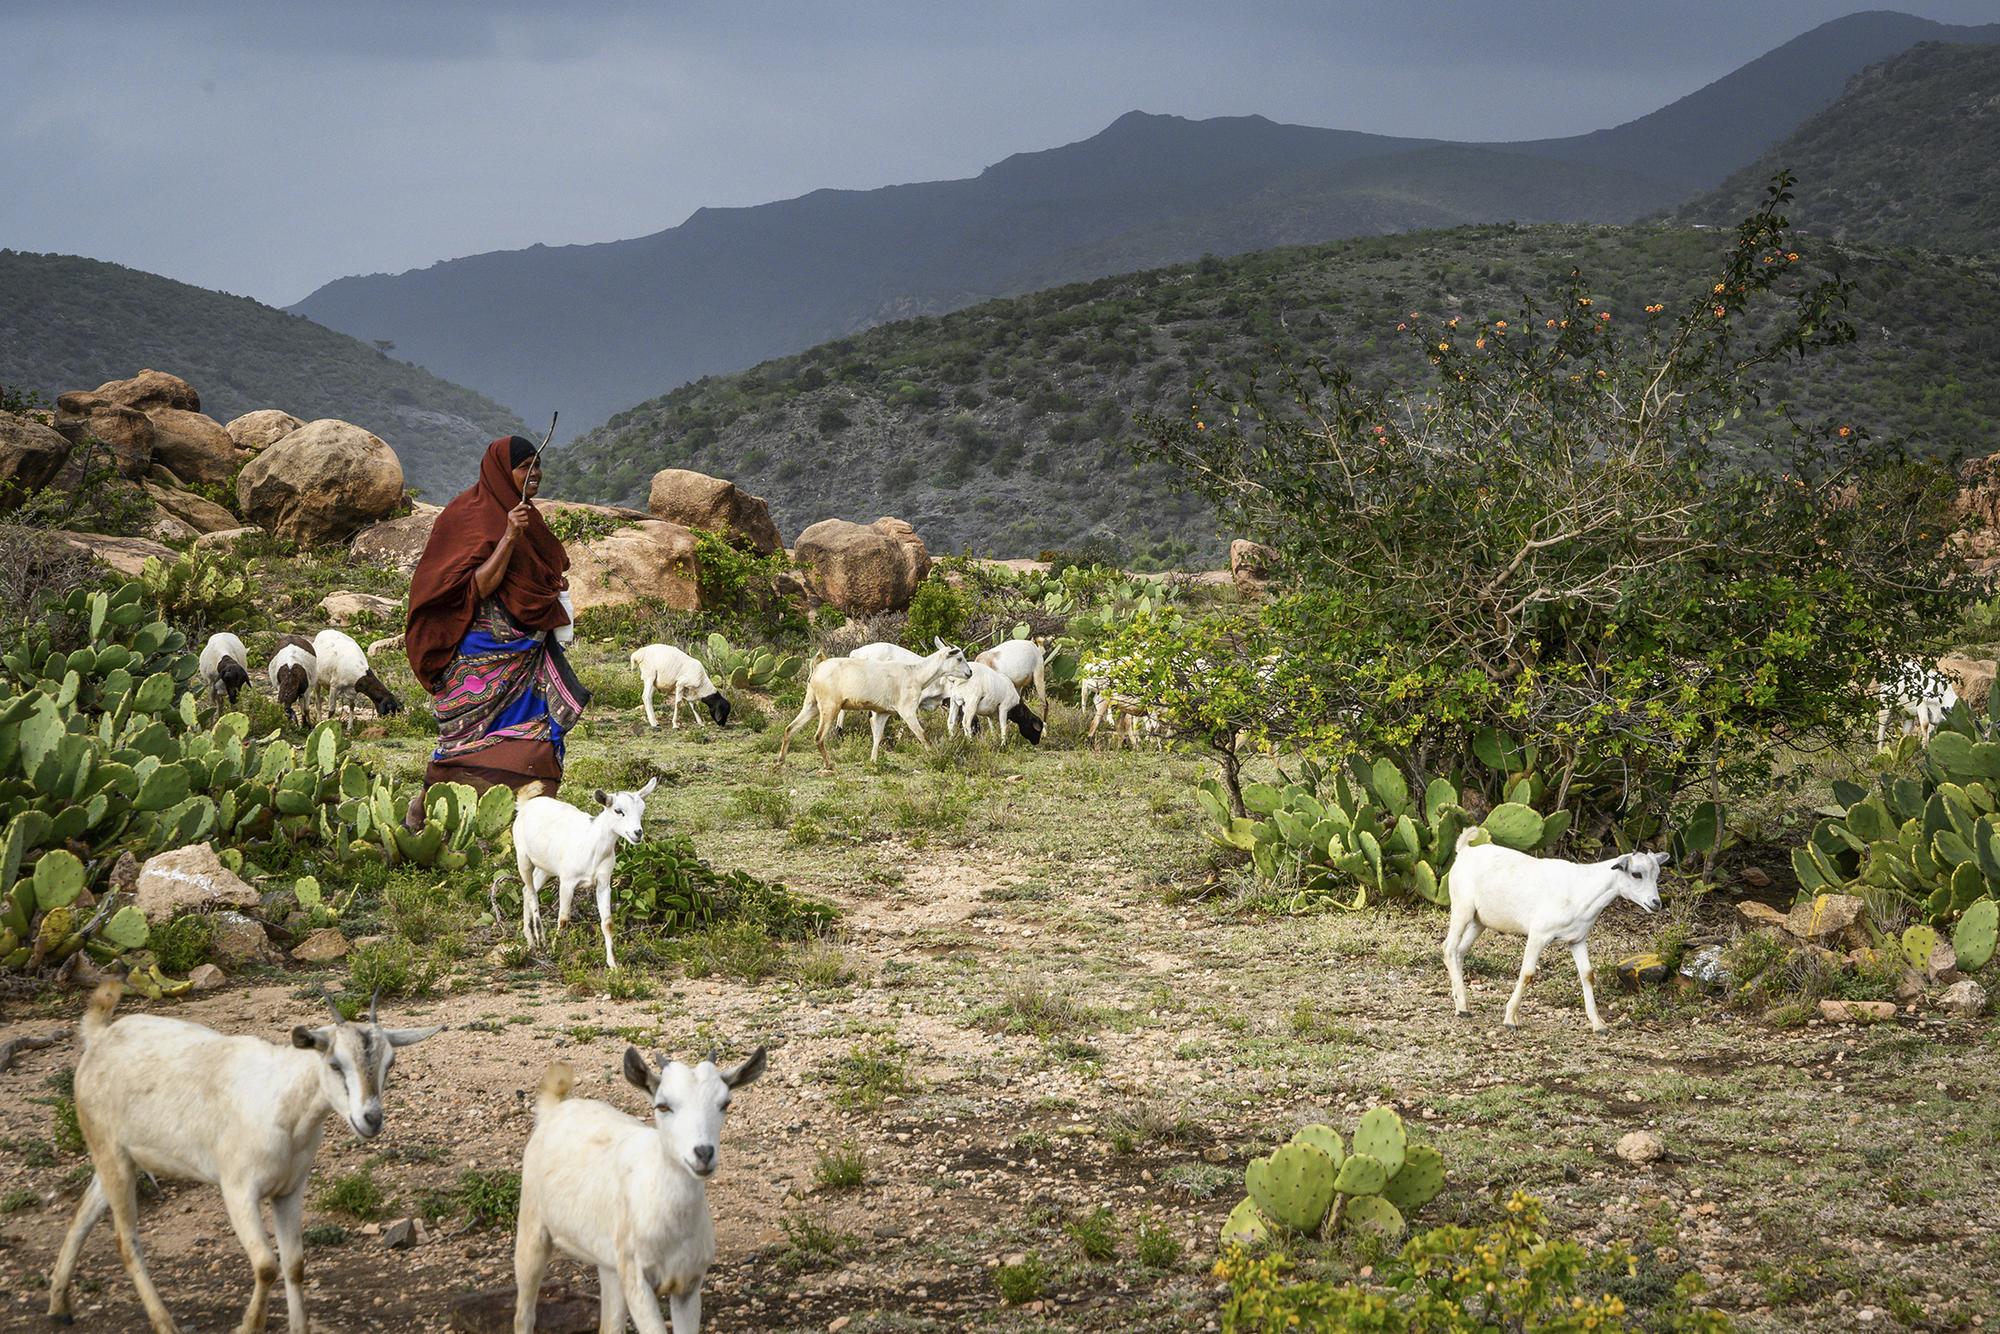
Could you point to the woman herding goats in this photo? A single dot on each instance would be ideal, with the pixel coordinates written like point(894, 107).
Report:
point(486, 606)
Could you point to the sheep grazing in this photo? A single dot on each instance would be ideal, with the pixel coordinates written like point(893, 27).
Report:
point(630, 1198)
point(224, 667)
point(989, 694)
point(554, 839)
point(1917, 700)
point(293, 672)
point(882, 688)
point(344, 676)
point(1020, 661)
point(663, 667)
point(1546, 899)
point(175, 1099)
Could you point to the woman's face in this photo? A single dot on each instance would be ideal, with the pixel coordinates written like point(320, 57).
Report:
point(528, 478)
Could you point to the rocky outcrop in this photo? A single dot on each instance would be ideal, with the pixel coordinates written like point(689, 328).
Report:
point(397, 542)
point(696, 500)
point(125, 432)
point(650, 559)
point(190, 879)
point(321, 483)
point(30, 456)
point(196, 447)
point(254, 432)
point(1251, 566)
point(203, 516)
point(151, 389)
point(863, 568)
point(1971, 679)
point(346, 608)
point(126, 555)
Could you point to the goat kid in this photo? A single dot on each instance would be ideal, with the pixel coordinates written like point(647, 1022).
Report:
point(553, 839)
point(180, 1100)
point(224, 668)
point(632, 1199)
point(662, 666)
point(1546, 899)
point(293, 672)
point(988, 693)
point(344, 676)
point(882, 688)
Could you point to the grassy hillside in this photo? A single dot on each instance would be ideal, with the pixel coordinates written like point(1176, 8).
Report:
point(1005, 426)
point(71, 323)
point(1909, 156)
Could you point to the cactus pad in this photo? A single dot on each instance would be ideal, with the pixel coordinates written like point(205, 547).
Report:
point(127, 929)
point(1974, 939)
point(1513, 825)
point(1245, 1225)
point(1918, 942)
point(1372, 1213)
point(58, 879)
point(1324, 1138)
point(1419, 1181)
point(1361, 1175)
point(1381, 1136)
point(1293, 1187)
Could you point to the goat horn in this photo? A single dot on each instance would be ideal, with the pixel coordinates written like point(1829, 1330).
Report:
point(371, 1004)
point(331, 1008)
point(712, 1053)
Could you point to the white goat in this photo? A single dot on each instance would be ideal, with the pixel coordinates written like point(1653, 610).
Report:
point(1916, 701)
point(1020, 661)
point(632, 1199)
point(883, 651)
point(293, 672)
point(988, 694)
point(1546, 899)
point(882, 688)
point(662, 666)
point(554, 838)
point(1129, 717)
point(180, 1100)
point(225, 667)
point(344, 676)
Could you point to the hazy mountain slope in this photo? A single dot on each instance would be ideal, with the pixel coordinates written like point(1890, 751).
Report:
point(71, 323)
point(1909, 156)
point(1005, 426)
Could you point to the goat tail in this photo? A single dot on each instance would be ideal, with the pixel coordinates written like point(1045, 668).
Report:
point(557, 1081)
point(97, 1010)
point(1465, 837)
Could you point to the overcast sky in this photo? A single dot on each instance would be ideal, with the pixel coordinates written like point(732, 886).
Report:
point(265, 147)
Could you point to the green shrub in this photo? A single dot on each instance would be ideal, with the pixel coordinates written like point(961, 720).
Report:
point(356, 1194)
point(1024, 1281)
point(183, 943)
point(394, 967)
point(842, 1168)
point(937, 611)
point(1095, 1234)
point(573, 526)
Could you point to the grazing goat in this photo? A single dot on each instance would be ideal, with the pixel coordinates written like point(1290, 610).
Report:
point(1546, 899)
point(554, 838)
point(1917, 700)
point(175, 1099)
point(630, 1198)
point(882, 651)
point(988, 694)
point(293, 672)
point(344, 675)
point(882, 688)
point(1020, 661)
point(1128, 717)
point(224, 667)
point(662, 666)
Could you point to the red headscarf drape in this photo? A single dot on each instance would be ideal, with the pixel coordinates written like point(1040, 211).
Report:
point(443, 598)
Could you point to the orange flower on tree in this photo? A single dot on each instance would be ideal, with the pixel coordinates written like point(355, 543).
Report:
point(1479, 342)
point(1499, 324)
point(1720, 312)
point(1444, 347)
point(1846, 431)
point(1720, 288)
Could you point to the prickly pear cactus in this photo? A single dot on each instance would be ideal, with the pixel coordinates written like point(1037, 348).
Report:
point(1372, 1213)
point(1293, 1187)
point(1361, 1174)
point(1245, 1225)
point(1419, 1180)
point(1974, 938)
point(1513, 825)
point(1918, 942)
point(1381, 1136)
point(1324, 1138)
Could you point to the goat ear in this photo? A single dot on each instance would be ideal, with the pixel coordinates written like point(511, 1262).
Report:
point(1623, 863)
point(601, 797)
point(639, 1071)
point(651, 783)
point(316, 1039)
point(746, 1073)
point(1664, 859)
point(939, 641)
point(407, 1037)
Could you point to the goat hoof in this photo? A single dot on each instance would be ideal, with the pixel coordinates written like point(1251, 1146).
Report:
point(1465, 1014)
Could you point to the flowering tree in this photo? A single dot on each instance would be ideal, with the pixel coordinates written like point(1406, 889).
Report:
point(1591, 532)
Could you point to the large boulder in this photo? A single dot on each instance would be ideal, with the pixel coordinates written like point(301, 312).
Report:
point(30, 456)
point(126, 555)
point(347, 608)
point(696, 500)
point(399, 542)
point(1251, 566)
point(863, 568)
point(321, 483)
point(202, 515)
point(190, 879)
point(649, 559)
point(151, 389)
point(1971, 679)
point(194, 446)
point(125, 432)
point(253, 432)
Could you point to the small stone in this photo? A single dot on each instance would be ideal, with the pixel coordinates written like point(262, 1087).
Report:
point(1964, 998)
point(1215, 1153)
point(240, 939)
point(322, 946)
point(1705, 967)
point(1641, 1146)
point(1826, 915)
point(206, 977)
point(1943, 962)
point(125, 873)
point(1756, 877)
point(189, 879)
point(400, 1235)
point(1856, 1012)
point(1753, 916)
point(838, 1323)
point(1642, 970)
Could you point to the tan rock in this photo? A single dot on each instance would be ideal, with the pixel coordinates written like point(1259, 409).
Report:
point(653, 559)
point(228, 538)
point(1942, 966)
point(322, 946)
point(126, 555)
point(194, 446)
point(126, 433)
point(151, 389)
point(345, 608)
point(696, 500)
point(393, 644)
point(255, 431)
point(206, 977)
point(204, 516)
point(397, 542)
point(1752, 916)
point(30, 456)
point(163, 527)
point(1641, 1146)
point(1825, 915)
point(1971, 679)
point(1756, 877)
point(1857, 1012)
point(863, 569)
point(190, 879)
point(1251, 566)
point(321, 483)
point(242, 940)
point(1964, 998)
point(160, 474)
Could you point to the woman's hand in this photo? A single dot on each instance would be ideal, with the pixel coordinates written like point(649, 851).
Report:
point(517, 520)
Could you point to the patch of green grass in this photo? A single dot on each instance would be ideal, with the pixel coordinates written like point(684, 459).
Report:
point(394, 966)
point(1034, 1004)
point(870, 1073)
point(731, 949)
point(1095, 1234)
point(1201, 1181)
point(183, 943)
point(842, 1168)
point(34, 1152)
point(325, 1234)
point(427, 912)
point(14, 1201)
point(356, 1194)
point(1158, 1247)
point(770, 807)
point(1024, 1281)
point(812, 1243)
point(820, 965)
point(1144, 1123)
point(483, 1198)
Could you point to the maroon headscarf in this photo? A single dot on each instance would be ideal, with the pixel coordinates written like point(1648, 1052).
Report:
point(443, 597)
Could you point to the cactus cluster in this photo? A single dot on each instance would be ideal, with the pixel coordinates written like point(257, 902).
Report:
point(1363, 834)
point(746, 668)
point(1932, 841)
point(1316, 1185)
